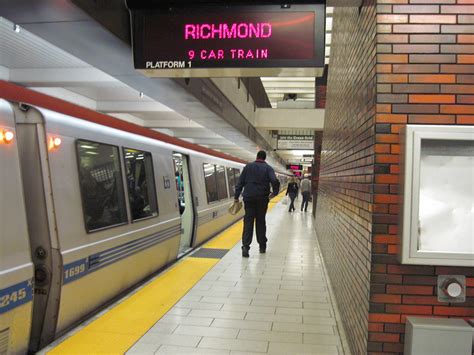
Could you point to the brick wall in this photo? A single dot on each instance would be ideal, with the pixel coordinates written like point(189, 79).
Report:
point(343, 217)
point(425, 57)
point(396, 62)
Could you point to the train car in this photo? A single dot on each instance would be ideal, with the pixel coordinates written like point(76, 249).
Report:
point(105, 209)
point(16, 267)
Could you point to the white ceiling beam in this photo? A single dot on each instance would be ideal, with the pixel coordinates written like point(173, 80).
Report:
point(234, 150)
point(218, 142)
point(59, 76)
point(67, 95)
point(132, 106)
point(169, 132)
point(288, 79)
point(292, 90)
point(169, 123)
point(195, 133)
point(286, 85)
point(274, 119)
point(223, 148)
point(129, 118)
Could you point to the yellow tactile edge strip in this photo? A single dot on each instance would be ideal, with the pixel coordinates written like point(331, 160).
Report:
point(123, 325)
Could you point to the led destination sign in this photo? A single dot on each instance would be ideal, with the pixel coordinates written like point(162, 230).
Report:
point(227, 41)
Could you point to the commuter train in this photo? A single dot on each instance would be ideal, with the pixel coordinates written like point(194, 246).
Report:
point(88, 211)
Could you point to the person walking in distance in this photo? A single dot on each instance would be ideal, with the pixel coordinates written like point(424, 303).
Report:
point(255, 182)
point(292, 191)
point(305, 192)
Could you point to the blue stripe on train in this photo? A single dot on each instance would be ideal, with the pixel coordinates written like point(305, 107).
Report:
point(16, 295)
point(82, 267)
point(101, 261)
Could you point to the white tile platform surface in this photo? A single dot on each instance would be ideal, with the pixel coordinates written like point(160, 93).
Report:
point(273, 303)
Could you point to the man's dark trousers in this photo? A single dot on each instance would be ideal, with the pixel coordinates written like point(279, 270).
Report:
point(306, 196)
point(255, 210)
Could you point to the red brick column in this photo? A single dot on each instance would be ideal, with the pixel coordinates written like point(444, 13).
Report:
point(343, 216)
point(318, 141)
point(425, 57)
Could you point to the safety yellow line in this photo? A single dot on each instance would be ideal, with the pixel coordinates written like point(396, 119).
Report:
point(123, 325)
point(118, 329)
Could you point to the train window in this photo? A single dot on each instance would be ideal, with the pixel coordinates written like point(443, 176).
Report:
point(221, 183)
point(211, 182)
point(101, 185)
point(231, 180)
point(140, 184)
point(237, 175)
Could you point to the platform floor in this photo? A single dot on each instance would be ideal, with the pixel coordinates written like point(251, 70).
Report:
point(275, 303)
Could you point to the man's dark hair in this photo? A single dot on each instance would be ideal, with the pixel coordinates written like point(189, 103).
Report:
point(261, 155)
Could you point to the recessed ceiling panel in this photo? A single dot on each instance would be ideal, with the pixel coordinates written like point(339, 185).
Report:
point(21, 49)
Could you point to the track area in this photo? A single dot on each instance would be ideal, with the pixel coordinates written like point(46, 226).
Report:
point(117, 329)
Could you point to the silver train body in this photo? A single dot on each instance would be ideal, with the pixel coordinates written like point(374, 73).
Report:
point(60, 262)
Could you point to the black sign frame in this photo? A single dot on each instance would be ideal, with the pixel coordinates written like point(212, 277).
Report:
point(273, 67)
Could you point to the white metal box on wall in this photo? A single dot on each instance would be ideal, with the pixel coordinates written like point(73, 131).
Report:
point(437, 164)
point(437, 336)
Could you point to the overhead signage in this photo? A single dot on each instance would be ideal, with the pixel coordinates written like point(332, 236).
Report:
point(229, 40)
point(295, 168)
point(295, 142)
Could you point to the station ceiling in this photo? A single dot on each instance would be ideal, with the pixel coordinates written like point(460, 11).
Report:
point(35, 63)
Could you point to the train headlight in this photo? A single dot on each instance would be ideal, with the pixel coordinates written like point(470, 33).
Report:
point(54, 143)
point(7, 136)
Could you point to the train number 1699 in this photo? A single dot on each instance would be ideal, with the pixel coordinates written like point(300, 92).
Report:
point(74, 271)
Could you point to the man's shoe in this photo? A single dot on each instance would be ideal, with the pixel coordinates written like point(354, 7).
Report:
point(263, 250)
point(245, 252)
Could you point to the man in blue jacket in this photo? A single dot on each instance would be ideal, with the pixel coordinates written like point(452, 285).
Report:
point(255, 180)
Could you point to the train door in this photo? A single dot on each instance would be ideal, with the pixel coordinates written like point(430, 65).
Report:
point(16, 268)
point(41, 222)
point(185, 201)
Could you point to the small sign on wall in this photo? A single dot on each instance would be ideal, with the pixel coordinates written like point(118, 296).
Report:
point(166, 182)
point(295, 142)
